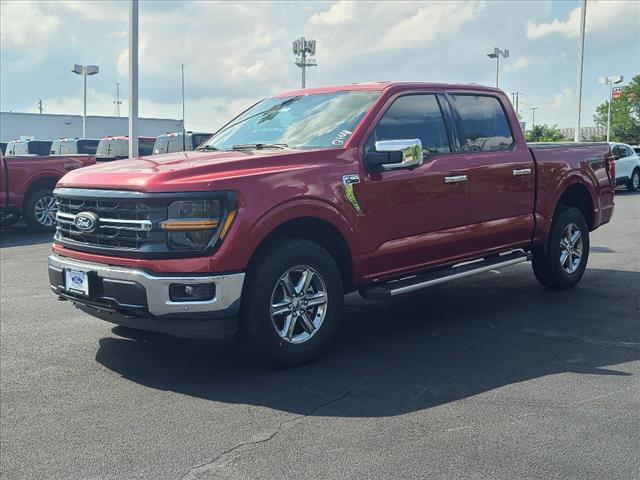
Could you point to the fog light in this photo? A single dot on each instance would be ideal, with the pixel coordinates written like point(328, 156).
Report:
point(192, 293)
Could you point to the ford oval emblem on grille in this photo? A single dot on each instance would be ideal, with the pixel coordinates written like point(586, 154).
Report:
point(86, 222)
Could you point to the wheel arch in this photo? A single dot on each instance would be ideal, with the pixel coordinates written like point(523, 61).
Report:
point(578, 195)
point(42, 182)
point(315, 228)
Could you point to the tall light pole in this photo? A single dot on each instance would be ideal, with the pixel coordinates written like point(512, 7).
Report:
point(495, 52)
point(583, 15)
point(304, 48)
point(184, 131)
point(611, 80)
point(133, 78)
point(533, 117)
point(85, 70)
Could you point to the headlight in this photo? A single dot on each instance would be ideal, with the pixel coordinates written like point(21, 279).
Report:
point(198, 224)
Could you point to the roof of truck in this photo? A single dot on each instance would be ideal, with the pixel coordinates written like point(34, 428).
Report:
point(380, 86)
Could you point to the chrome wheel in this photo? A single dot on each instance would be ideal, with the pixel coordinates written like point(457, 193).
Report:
point(571, 248)
point(635, 180)
point(45, 211)
point(299, 304)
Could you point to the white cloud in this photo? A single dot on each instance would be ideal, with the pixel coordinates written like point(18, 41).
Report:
point(339, 13)
point(102, 10)
point(427, 24)
point(602, 15)
point(28, 26)
point(519, 64)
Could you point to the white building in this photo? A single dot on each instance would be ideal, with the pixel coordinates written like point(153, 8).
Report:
point(47, 126)
point(587, 134)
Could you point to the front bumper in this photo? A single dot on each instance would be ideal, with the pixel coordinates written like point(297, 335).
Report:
point(139, 299)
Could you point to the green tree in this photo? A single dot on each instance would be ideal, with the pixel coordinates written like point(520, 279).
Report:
point(544, 133)
point(625, 114)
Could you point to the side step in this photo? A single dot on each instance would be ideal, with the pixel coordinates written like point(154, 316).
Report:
point(436, 277)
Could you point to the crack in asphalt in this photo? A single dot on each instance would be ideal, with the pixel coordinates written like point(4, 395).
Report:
point(205, 467)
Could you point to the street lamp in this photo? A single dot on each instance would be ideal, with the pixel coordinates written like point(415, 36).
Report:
point(495, 53)
point(610, 81)
point(304, 48)
point(85, 70)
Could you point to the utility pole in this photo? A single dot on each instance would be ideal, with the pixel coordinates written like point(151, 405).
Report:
point(304, 48)
point(184, 132)
point(515, 100)
point(40, 107)
point(533, 117)
point(133, 78)
point(117, 102)
point(583, 14)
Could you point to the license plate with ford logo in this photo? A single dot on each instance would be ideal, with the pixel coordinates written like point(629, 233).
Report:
point(77, 281)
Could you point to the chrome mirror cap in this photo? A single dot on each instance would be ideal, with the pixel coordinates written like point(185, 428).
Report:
point(411, 149)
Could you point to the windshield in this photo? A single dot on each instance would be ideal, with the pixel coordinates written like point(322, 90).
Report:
point(304, 121)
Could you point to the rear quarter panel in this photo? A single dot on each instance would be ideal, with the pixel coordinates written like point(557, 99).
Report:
point(560, 166)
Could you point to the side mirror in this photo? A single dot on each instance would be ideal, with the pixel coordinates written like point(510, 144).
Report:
point(395, 155)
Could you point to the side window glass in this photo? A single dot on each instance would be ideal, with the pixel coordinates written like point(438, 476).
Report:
point(413, 116)
point(482, 123)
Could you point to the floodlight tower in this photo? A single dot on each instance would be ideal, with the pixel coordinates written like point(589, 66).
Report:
point(495, 52)
point(85, 70)
point(611, 80)
point(303, 48)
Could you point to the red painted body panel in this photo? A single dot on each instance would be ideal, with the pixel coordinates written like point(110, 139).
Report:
point(410, 219)
point(19, 173)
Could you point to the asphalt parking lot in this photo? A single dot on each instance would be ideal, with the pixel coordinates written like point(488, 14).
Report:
point(492, 377)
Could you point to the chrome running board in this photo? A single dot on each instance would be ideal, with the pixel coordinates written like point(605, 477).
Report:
point(442, 275)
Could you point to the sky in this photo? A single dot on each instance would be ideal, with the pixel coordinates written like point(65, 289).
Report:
point(235, 53)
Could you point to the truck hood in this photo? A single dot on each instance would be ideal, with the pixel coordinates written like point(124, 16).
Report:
point(187, 171)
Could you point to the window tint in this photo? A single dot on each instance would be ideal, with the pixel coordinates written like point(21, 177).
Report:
point(619, 151)
point(145, 147)
point(413, 116)
point(87, 147)
point(482, 123)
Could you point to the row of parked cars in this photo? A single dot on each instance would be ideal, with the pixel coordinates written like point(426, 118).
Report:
point(31, 168)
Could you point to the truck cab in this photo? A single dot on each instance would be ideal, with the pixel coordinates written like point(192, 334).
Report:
point(74, 146)
point(179, 142)
point(117, 148)
point(28, 147)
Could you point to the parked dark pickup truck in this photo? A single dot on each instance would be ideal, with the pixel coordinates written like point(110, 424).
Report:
point(26, 187)
point(384, 188)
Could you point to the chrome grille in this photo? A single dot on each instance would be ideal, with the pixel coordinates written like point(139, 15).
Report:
point(122, 224)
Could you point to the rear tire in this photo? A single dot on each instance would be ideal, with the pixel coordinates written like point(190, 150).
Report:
point(291, 303)
point(634, 182)
point(562, 260)
point(40, 210)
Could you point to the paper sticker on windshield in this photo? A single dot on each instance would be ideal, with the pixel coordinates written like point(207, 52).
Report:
point(341, 138)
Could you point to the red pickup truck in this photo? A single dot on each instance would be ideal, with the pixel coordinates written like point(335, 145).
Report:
point(26, 187)
point(382, 188)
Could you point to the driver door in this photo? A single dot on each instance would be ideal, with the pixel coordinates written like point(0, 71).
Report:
point(415, 218)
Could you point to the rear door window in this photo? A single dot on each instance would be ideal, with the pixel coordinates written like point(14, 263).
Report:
point(482, 123)
point(413, 116)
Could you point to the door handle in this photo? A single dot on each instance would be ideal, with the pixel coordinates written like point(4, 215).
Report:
point(455, 179)
point(521, 171)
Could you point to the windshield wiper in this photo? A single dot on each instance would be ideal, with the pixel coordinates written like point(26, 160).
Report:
point(259, 146)
point(205, 148)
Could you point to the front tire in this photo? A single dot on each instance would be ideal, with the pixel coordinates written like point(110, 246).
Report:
point(634, 181)
point(291, 303)
point(561, 262)
point(40, 210)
